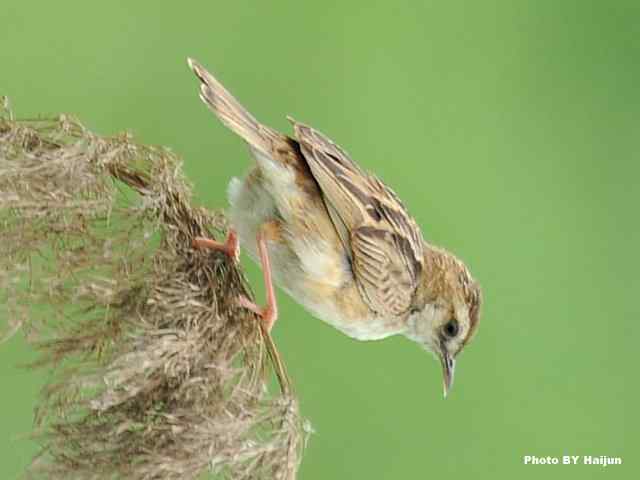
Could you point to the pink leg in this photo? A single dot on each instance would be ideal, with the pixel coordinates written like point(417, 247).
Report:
point(230, 246)
point(268, 313)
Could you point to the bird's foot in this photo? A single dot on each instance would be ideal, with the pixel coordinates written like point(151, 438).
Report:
point(268, 314)
point(231, 246)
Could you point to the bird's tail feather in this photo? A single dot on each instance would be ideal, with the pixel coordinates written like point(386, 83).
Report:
point(230, 111)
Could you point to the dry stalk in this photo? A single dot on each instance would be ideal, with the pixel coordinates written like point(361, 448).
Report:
point(156, 373)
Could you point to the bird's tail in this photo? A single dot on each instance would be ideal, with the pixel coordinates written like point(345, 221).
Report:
point(230, 111)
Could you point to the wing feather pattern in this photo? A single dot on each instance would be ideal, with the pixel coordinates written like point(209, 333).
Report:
point(383, 240)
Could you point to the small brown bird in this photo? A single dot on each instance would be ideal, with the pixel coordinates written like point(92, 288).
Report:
point(339, 241)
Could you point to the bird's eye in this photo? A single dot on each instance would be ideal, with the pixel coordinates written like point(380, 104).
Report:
point(451, 328)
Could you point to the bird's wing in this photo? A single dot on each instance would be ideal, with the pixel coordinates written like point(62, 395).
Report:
point(383, 240)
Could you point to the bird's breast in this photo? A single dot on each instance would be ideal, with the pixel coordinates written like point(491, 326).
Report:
point(307, 257)
point(321, 280)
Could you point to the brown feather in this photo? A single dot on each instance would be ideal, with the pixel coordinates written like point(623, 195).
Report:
point(230, 112)
point(384, 242)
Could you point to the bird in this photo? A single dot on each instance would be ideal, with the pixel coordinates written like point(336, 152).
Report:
point(338, 240)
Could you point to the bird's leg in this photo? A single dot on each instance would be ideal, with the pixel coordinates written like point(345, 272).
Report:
point(268, 313)
point(231, 246)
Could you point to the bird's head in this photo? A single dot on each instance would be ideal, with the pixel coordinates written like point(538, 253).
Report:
point(447, 311)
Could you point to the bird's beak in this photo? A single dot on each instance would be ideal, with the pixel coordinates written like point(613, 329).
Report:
point(448, 369)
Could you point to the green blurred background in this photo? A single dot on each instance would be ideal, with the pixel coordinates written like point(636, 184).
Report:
point(510, 128)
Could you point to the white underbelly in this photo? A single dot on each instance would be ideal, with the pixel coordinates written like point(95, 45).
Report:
point(305, 267)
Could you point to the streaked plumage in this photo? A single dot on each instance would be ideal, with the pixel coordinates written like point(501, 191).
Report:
point(340, 241)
